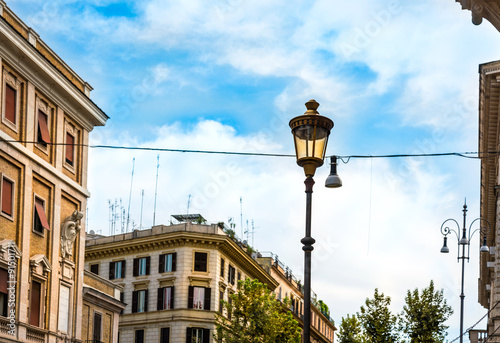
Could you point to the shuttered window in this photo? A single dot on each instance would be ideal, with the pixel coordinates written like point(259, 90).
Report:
point(40, 221)
point(197, 335)
point(43, 129)
point(70, 149)
point(35, 303)
point(165, 298)
point(7, 196)
point(200, 261)
point(165, 335)
point(10, 104)
point(97, 327)
point(167, 262)
point(139, 336)
point(199, 298)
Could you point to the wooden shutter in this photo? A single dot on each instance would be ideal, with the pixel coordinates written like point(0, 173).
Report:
point(222, 262)
point(160, 299)
point(136, 267)
point(70, 148)
point(146, 300)
point(7, 189)
point(36, 289)
point(111, 270)
point(97, 327)
point(189, 332)
point(148, 260)
point(208, 298)
point(134, 301)
point(139, 336)
point(190, 296)
point(43, 130)
point(172, 297)
point(123, 269)
point(41, 214)
point(10, 104)
point(165, 335)
point(4, 276)
point(206, 335)
point(161, 264)
point(174, 261)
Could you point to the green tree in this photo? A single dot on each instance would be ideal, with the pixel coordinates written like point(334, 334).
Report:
point(255, 316)
point(424, 314)
point(350, 331)
point(378, 322)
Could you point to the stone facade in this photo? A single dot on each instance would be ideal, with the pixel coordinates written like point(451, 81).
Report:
point(487, 9)
point(45, 120)
point(489, 139)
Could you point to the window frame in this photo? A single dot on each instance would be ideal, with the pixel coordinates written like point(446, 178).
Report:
point(165, 338)
point(136, 306)
point(43, 107)
point(41, 307)
point(207, 298)
point(5, 307)
point(3, 178)
point(231, 274)
point(112, 269)
point(162, 291)
point(93, 265)
point(100, 314)
point(10, 80)
point(137, 266)
point(162, 262)
point(136, 337)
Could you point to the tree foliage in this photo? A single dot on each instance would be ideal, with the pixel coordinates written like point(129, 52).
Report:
point(255, 316)
point(378, 322)
point(424, 314)
point(350, 331)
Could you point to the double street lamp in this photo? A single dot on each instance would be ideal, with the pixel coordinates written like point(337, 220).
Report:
point(310, 132)
point(464, 241)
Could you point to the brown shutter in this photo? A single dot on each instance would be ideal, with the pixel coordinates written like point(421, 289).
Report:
point(111, 270)
point(70, 148)
point(36, 289)
point(188, 335)
point(146, 300)
point(41, 214)
point(172, 297)
point(174, 261)
point(160, 299)
point(190, 296)
point(7, 196)
point(10, 104)
point(4, 276)
point(161, 264)
point(97, 327)
point(123, 269)
point(134, 301)
point(165, 335)
point(206, 335)
point(136, 267)
point(43, 128)
point(222, 262)
point(148, 260)
point(208, 298)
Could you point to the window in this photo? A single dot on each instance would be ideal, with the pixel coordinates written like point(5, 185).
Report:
point(199, 298)
point(140, 301)
point(222, 262)
point(43, 135)
point(10, 100)
point(94, 268)
point(10, 104)
point(122, 299)
point(40, 219)
point(200, 261)
point(167, 263)
point(141, 266)
point(230, 302)
point(165, 298)
point(139, 336)
point(7, 199)
point(231, 274)
point(4, 293)
point(239, 276)
point(70, 149)
point(197, 335)
point(97, 327)
point(116, 270)
point(165, 335)
point(35, 303)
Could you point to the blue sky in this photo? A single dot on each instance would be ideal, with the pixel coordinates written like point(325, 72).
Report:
point(396, 77)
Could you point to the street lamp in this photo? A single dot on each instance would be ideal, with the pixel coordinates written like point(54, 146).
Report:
point(310, 133)
point(464, 241)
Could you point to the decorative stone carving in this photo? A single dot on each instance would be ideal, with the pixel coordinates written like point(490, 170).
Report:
point(69, 231)
point(488, 9)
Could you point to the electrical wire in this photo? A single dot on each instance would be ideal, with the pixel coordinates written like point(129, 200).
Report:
point(479, 321)
point(344, 158)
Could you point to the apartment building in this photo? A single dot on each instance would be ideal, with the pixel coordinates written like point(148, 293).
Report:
point(173, 278)
point(45, 120)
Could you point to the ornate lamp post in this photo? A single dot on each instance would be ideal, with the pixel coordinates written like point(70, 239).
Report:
point(464, 241)
point(310, 132)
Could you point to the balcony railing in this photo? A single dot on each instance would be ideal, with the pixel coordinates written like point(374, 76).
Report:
point(478, 336)
point(35, 335)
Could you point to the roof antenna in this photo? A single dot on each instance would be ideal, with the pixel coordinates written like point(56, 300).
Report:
point(241, 216)
point(130, 195)
point(142, 206)
point(189, 202)
point(156, 187)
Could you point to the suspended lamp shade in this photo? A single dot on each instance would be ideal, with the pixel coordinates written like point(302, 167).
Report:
point(445, 248)
point(310, 133)
point(484, 246)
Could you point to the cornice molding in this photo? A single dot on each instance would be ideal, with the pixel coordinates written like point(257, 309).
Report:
point(487, 9)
